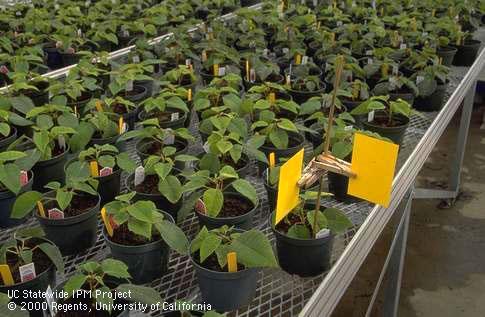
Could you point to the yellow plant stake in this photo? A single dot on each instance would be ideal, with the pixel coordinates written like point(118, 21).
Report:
point(93, 167)
point(99, 106)
point(121, 124)
point(189, 94)
point(272, 160)
point(216, 70)
point(247, 70)
point(298, 59)
point(6, 275)
point(40, 206)
point(433, 12)
point(272, 98)
point(232, 262)
point(107, 224)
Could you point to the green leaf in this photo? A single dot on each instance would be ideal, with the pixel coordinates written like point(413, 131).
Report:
point(299, 231)
point(54, 255)
point(24, 204)
point(171, 188)
point(140, 294)
point(75, 283)
point(209, 245)
point(322, 222)
point(140, 228)
point(279, 138)
point(64, 198)
point(11, 155)
point(210, 162)
point(254, 250)
point(10, 177)
point(106, 161)
point(213, 200)
point(139, 210)
point(287, 125)
point(338, 222)
point(228, 172)
point(163, 169)
point(246, 189)
point(224, 146)
point(115, 268)
point(174, 237)
point(4, 129)
point(125, 162)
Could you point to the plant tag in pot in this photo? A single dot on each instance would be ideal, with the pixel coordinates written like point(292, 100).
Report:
point(56, 6)
point(374, 4)
point(108, 223)
point(222, 71)
point(122, 126)
point(419, 79)
point(49, 298)
point(286, 50)
point(304, 60)
point(55, 213)
point(323, 233)
point(339, 23)
point(27, 272)
point(348, 128)
point(129, 85)
point(200, 207)
point(24, 178)
point(370, 116)
point(288, 80)
point(252, 75)
point(205, 146)
point(174, 116)
point(58, 44)
point(93, 25)
point(188, 62)
point(403, 46)
point(136, 59)
point(61, 140)
point(395, 70)
point(204, 56)
point(6, 275)
point(126, 33)
point(87, 3)
point(369, 53)
point(105, 171)
point(18, 13)
point(370, 61)
point(70, 50)
point(169, 138)
point(265, 52)
point(189, 94)
point(113, 1)
point(139, 175)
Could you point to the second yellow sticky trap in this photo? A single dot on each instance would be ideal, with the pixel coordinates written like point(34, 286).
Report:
point(374, 163)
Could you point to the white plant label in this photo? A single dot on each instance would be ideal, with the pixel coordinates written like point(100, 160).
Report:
point(61, 140)
point(139, 175)
point(339, 23)
point(55, 213)
point(188, 62)
point(265, 52)
point(370, 116)
point(174, 116)
point(56, 6)
point(425, 34)
point(126, 33)
point(105, 171)
point(252, 75)
point(323, 233)
point(206, 147)
point(113, 1)
point(315, 3)
point(129, 85)
point(222, 71)
point(374, 4)
point(395, 70)
point(24, 178)
point(79, 33)
point(369, 53)
point(286, 50)
point(370, 61)
point(348, 128)
point(18, 13)
point(403, 46)
point(304, 60)
point(419, 79)
point(170, 138)
point(136, 59)
point(27, 272)
point(87, 3)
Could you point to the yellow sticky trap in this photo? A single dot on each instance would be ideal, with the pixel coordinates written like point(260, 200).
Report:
point(93, 167)
point(6, 275)
point(247, 70)
point(107, 224)
point(272, 160)
point(40, 206)
point(121, 124)
point(374, 162)
point(288, 190)
point(298, 59)
point(189, 94)
point(216, 69)
point(272, 97)
point(232, 262)
point(99, 106)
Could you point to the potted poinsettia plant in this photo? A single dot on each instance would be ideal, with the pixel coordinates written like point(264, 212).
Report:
point(432, 82)
point(219, 197)
point(386, 117)
point(142, 237)
point(118, 106)
point(305, 236)
point(208, 254)
point(110, 163)
point(33, 262)
point(273, 97)
point(100, 282)
point(169, 108)
point(66, 211)
point(397, 86)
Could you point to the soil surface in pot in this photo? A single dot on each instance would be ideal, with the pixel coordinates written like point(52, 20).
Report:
point(41, 262)
point(290, 220)
point(212, 264)
point(382, 121)
point(234, 207)
point(122, 235)
point(149, 185)
point(164, 116)
point(155, 148)
point(135, 91)
point(79, 205)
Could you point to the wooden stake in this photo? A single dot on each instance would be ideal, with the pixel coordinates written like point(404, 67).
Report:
point(338, 74)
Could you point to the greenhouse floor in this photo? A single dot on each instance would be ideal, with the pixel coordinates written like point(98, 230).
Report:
point(444, 273)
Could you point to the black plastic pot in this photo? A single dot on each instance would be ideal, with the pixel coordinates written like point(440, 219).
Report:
point(434, 102)
point(395, 134)
point(41, 97)
point(7, 199)
point(467, 53)
point(51, 170)
point(140, 93)
point(147, 84)
point(53, 57)
point(409, 97)
point(300, 96)
point(226, 291)
point(8, 140)
point(73, 234)
point(145, 262)
point(303, 257)
point(295, 138)
point(121, 146)
point(447, 54)
point(338, 185)
point(241, 171)
point(350, 105)
point(69, 58)
point(244, 222)
point(81, 102)
point(160, 201)
point(141, 146)
point(38, 284)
